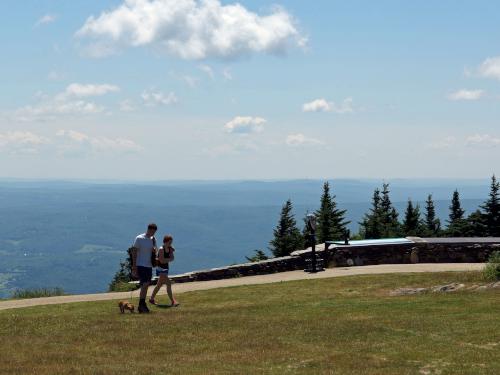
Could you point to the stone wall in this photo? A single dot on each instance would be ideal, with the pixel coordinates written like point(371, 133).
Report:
point(274, 265)
point(414, 250)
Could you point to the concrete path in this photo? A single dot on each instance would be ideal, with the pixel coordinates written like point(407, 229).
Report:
point(251, 280)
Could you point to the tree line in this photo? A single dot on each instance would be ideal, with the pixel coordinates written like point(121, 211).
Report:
point(382, 221)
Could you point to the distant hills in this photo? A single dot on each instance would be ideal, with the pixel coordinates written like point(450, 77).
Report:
point(74, 233)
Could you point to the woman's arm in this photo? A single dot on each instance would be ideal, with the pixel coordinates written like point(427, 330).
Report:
point(170, 256)
point(161, 256)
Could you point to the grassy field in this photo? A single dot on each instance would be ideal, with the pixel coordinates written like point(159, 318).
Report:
point(346, 325)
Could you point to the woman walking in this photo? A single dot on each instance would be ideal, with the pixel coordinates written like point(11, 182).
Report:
point(165, 256)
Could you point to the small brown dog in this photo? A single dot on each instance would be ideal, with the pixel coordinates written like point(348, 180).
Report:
point(126, 305)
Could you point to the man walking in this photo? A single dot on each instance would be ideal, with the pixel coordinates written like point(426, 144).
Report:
point(143, 250)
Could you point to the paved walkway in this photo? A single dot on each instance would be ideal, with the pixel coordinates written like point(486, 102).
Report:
point(251, 280)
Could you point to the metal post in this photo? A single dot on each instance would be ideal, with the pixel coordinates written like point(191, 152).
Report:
point(313, 251)
point(311, 226)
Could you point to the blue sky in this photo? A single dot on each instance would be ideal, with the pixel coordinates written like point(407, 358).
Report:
point(215, 90)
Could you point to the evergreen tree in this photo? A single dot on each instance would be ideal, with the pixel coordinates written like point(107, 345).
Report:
point(122, 276)
point(287, 237)
point(389, 216)
point(476, 225)
point(432, 223)
point(331, 223)
point(257, 257)
point(371, 226)
point(491, 209)
point(456, 222)
point(412, 224)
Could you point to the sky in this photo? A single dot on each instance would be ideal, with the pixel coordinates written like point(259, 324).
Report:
point(184, 89)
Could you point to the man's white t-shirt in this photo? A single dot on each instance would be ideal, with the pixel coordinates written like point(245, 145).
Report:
point(144, 247)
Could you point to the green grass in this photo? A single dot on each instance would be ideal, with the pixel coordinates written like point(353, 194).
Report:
point(36, 293)
point(347, 325)
point(491, 271)
point(124, 287)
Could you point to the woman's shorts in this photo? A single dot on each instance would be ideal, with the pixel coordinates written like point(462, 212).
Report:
point(161, 271)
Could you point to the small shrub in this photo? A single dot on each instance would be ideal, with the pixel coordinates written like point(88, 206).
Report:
point(123, 286)
point(491, 271)
point(258, 256)
point(122, 276)
point(37, 293)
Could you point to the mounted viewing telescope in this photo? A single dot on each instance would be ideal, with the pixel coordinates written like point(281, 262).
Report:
point(311, 265)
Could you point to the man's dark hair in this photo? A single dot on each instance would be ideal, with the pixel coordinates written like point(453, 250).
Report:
point(152, 226)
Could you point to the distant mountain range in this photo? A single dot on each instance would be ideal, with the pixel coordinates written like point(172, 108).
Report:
point(74, 233)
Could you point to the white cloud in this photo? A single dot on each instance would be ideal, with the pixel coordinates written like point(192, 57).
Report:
point(322, 105)
point(190, 80)
point(73, 143)
point(490, 68)
point(482, 140)
point(245, 125)
point(208, 71)
point(46, 19)
point(299, 139)
point(24, 142)
point(52, 108)
point(83, 90)
point(68, 102)
point(466, 95)
point(190, 29)
point(318, 105)
point(152, 98)
point(442, 144)
point(127, 106)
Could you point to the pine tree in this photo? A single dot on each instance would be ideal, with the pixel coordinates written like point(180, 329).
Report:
point(476, 225)
point(257, 256)
point(456, 222)
point(287, 237)
point(433, 224)
point(123, 275)
point(412, 224)
point(371, 226)
point(491, 209)
point(389, 216)
point(331, 223)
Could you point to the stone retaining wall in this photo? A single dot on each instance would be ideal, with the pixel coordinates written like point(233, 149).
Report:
point(416, 250)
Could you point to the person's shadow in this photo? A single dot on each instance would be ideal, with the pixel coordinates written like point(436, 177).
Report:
point(166, 306)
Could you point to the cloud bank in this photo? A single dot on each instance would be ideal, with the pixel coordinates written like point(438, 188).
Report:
point(72, 101)
point(21, 142)
point(65, 142)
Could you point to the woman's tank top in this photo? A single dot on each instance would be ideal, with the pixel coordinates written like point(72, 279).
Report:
point(166, 254)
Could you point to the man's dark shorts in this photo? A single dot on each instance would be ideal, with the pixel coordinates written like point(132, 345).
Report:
point(145, 274)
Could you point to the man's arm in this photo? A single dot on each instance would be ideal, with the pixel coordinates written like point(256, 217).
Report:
point(134, 260)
